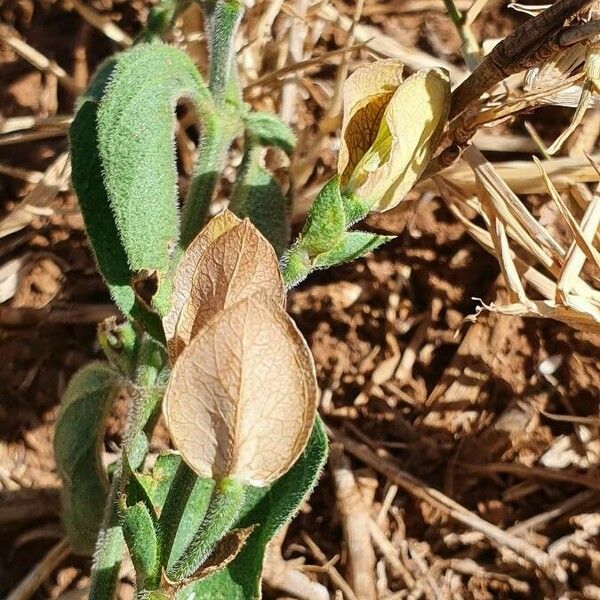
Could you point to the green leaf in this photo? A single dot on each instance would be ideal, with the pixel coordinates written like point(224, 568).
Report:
point(77, 449)
point(326, 220)
point(354, 245)
point(119, 342)
point(194, 511)
point(184, 508)
point(135, 492)
point(100, 225)
point(295, 265)
point(269, 130)
point(139, 531)
point(257, 195)
point(226, 503)
point(99, 81)
point(269, 508)
point(136, 119)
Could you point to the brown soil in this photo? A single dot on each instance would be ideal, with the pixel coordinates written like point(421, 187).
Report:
point(469, 413)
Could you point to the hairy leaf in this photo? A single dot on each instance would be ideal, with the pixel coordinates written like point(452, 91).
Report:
point(242, 396)
point(226, 503)
point(139, 531)
point(135, 138)
point(326, 220)
point(158, 481)
point(353, 245)
point(99, 81)
point(185, 519)
point(99, 223)
point(267, 509)
point(77, 449)
point(267, 129)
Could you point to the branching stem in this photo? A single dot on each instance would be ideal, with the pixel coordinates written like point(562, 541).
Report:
point(141, 419)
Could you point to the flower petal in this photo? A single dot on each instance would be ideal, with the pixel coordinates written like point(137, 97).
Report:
point(414, 120)
point(366, 94)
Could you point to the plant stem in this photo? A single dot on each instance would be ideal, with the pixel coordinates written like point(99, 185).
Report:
point(141, 419)
point(222, 19)
point(214, 144)
point(224, 508)
point(225, 17)
point(109, 551)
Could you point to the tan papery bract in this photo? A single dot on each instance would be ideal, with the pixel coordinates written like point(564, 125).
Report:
point(416, 117)
point(182, 284)
point(238, 263)
point(242, 396)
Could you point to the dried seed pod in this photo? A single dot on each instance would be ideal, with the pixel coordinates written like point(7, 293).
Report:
point(237, 264)
point(182, 284)
point(243, 396)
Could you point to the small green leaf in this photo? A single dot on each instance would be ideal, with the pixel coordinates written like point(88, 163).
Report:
point(269, 130)
point(158, 481)
point(354, 245)
point(295, 265)
point(269, 508)
point(326, 220)
point(135, 492)
point(118, 341)
point(192, 509)
point(139, 531)
point(225, 506)
point(77, 449)
point(257, 195)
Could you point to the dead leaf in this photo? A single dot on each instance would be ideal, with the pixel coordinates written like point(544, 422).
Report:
point(242, 396)
point(240, 263)
point(182, 283)
point(227, 549)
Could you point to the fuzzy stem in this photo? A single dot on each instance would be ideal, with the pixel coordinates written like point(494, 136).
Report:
point(224, 18)
point(213, 149)
point(224, 508)
point(142, 416)
point(109, 551)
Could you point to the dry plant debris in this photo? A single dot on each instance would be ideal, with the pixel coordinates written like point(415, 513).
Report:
point(482, 437)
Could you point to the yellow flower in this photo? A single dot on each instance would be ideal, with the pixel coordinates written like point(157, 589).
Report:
point(390, 130)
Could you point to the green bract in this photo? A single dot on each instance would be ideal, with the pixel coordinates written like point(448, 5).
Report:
point(77, 451)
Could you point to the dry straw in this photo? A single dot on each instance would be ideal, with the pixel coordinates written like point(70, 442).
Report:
point(544, 278)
